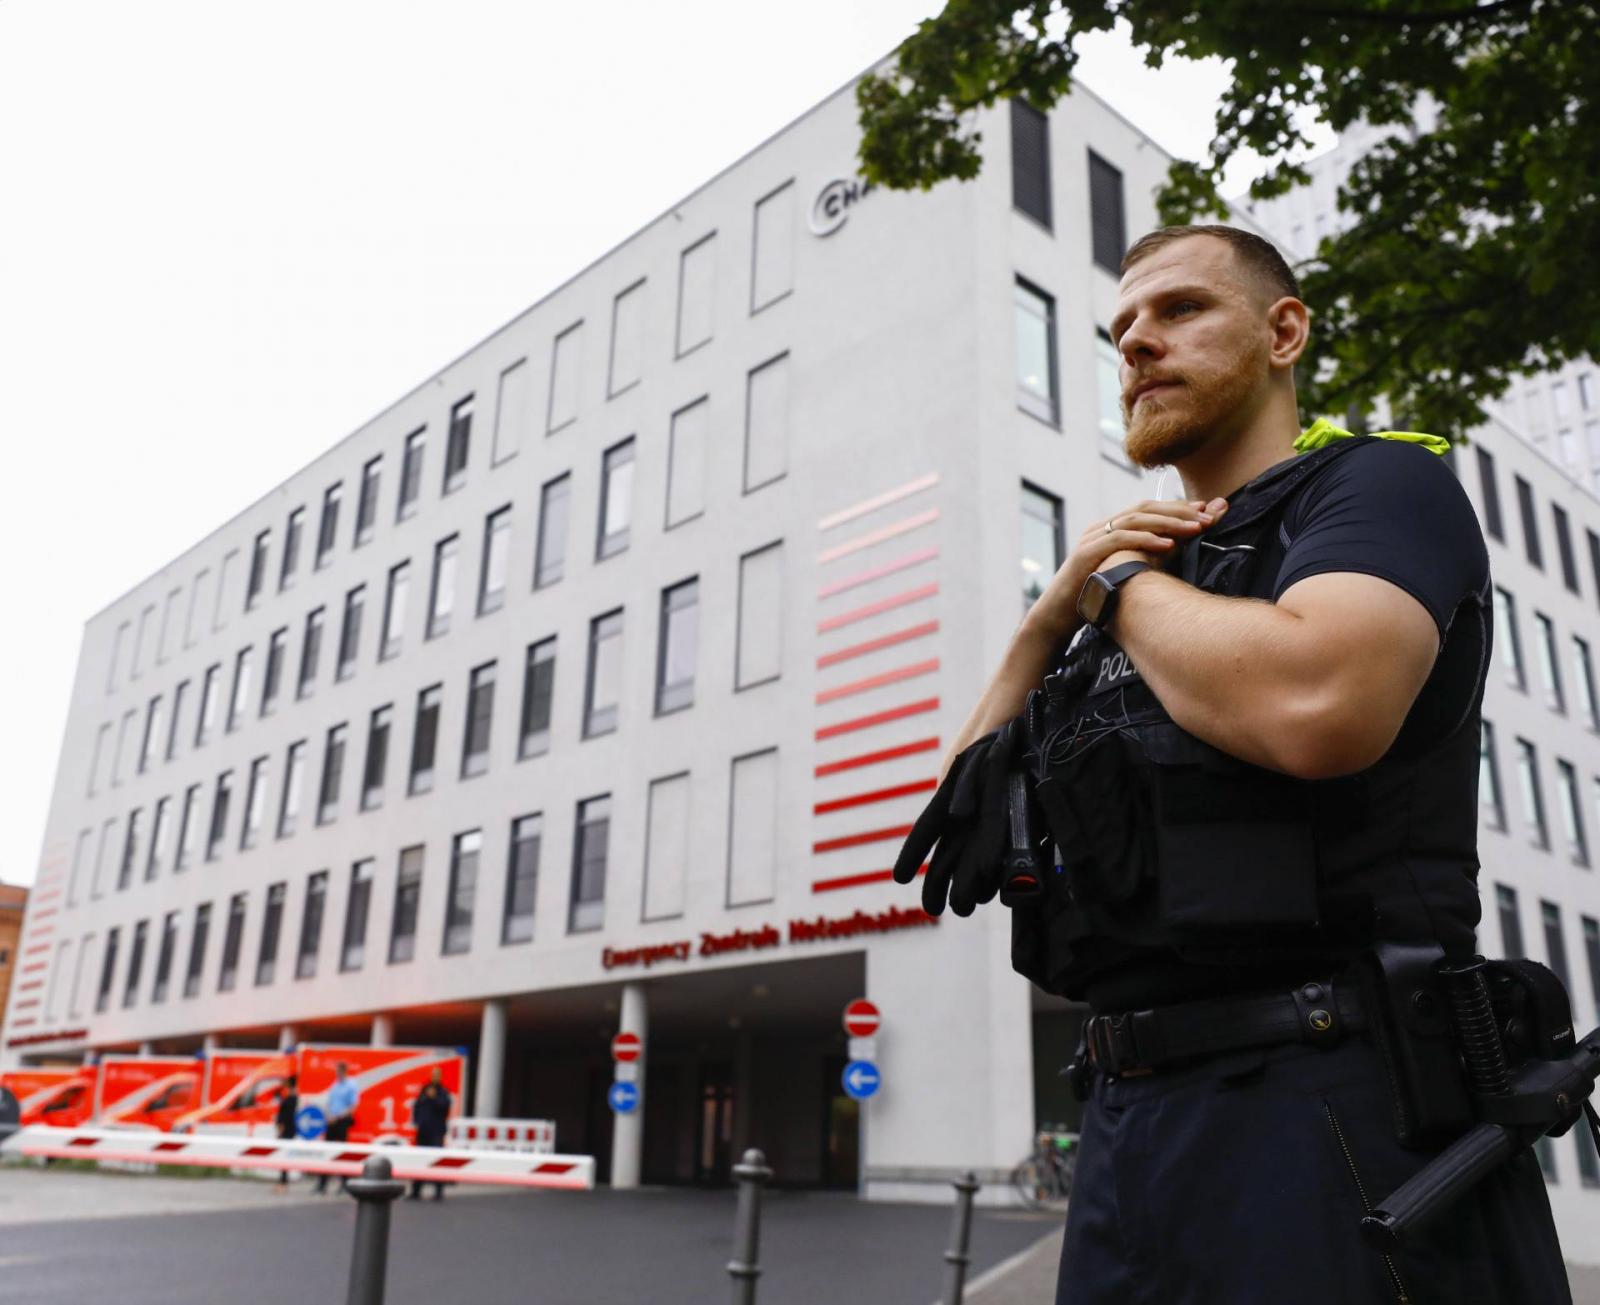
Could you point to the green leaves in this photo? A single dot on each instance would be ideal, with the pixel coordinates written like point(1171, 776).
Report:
point(1476, 255)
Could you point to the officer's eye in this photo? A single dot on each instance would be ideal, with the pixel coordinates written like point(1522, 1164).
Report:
point(1181, 305)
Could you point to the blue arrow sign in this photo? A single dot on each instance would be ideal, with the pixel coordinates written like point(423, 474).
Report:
point(861, 1079)
point(623, 1098)
point(310, 1122)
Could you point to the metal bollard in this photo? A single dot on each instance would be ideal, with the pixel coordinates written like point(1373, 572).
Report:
point(957, 1258)
point(369, 1262)
point(751, 1173)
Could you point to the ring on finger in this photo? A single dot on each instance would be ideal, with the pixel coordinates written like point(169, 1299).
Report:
point(1111, 524)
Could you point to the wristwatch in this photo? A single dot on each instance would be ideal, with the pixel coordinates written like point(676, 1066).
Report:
point(1097, 601)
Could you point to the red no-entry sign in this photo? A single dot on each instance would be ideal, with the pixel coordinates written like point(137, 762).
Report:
point(861, 1018)
point(625, 1047)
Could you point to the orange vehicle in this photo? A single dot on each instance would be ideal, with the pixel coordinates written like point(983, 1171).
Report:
point(146, 1091)
point(61, 1097)
point(240, 1093)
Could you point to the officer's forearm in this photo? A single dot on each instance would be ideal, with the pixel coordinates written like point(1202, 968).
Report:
point(1022, 668)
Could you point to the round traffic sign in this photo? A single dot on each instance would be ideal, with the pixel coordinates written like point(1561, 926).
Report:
point(861, 1018)
point(860, 1079)
point(623, 1098)
point(310, 1122)
point(626, 1047)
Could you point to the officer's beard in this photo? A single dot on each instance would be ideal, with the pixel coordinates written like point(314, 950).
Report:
point(1171, 425)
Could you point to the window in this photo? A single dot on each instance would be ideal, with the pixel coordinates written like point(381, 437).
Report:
point(1549, 664)
point(1505, 619)
point(554, 501)
point(305, 959)
point(1489, 487)
point(510, 412)
point(410, 474)
point(1030, 162)
point(1555, 943)
point(464, 850)
point(1036, 352)
point(258, 569)
point(197, 950)
point(1532, 794)
point(425, 739)
point(1489, 799)
point(456, 445)
point(1591, 948)
point(696, 291)
point(772, 270)
point(142, 642)
point(291, 547)
point(80, 863)
point(350, 632)
point(159, 825)
point(1594, 560)
point(1109, 225)
point(108, 969)
point(310, 651)
point(627, 340)
point(676, 651)
point(1546, 1151)
point(169, 944)
point(407, 892)
point(1510, 926)
point(115, 663)
point(1588, 1158)
point(130, 991)
point(589, 865)
point(328, 524)
point(522, 878)
point(480, 713)
point(758, 653)
point(394, 610)
point(442, 594)
point(604, 680)
point(1569, 564)
point(686, 463)
point(377, 758)
point(353, 950)
point(229, 568)
point(102, 755)
point(492, 572)
point(130, 849)
point(255, 803)
point(123, 730)
point(367, 500)
point(232, 943)
point(1042, 541)
point(188, 828)
point(294, 767)
point(272, 681)
point(58, 978)
point(241, 688)
point(1108, 384)
point(538, 690)
point(753, 828)
point(271, 928)
point(564, 367)
point(616, 499)
point(766, 424)
point(169, 625)
point(1572, 812)
point(179, 692)
point(1583, 674)
point(207, 719)
point(219, 815)
point(197, 598)
point(666, 842)
point(152, 727)
point(1530, 522)
point(332, 773)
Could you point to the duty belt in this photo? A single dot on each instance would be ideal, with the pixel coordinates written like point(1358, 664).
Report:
point(1137, 1042)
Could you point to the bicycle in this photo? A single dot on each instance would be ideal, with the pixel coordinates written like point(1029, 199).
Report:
point(1044, 1178)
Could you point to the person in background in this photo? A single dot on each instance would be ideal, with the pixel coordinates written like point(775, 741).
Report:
point(430, 1114)
point(288, 1107)
point(342, 1098)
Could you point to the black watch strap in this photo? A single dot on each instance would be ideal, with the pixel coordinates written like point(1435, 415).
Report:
point(1098, 601)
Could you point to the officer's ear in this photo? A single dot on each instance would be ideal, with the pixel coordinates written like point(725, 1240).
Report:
point(1289, 326)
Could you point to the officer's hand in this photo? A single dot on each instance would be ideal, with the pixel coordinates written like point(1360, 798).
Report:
point(1149, 530)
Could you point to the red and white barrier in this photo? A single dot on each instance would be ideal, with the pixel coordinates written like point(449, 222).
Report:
point(430, 1164)
point(537, 1136)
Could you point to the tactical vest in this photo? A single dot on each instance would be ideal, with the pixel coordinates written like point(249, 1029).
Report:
point(1170, 848)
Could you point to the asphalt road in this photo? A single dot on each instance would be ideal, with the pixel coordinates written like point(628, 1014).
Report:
point(657, 1247)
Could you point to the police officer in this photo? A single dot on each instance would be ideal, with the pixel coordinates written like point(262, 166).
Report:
point(1249, 722)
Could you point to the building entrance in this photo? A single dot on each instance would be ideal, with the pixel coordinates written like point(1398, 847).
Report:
point(714, 1126)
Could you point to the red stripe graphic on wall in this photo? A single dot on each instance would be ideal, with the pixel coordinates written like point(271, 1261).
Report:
point(878, 572)
point(878, 718)
point(874, 758)
point(873, 645)
point(878, 681)
point(856, 881)
point(856, 840)
point(875, 795)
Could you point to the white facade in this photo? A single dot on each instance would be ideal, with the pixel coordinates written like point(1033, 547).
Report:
point(836, 399)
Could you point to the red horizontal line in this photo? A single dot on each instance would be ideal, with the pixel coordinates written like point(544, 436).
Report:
point(39, 915)
point(876, 795)
point(877, 501)
point(855, 881)
point(37, 965)
point(46, 897)
point(22, 1024)
point(30, 984)
point(882, 605)
point(878, 681)
point(873, 645)
point(23, 1005)
point(878, 572)
point(873, 758)
point(856, 840)
point(43, 947)
point(878, 718)
point(894, 529)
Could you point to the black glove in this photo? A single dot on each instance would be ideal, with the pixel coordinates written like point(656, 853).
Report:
point(967, 817)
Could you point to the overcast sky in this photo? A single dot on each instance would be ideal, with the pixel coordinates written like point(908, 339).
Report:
point(231, 234)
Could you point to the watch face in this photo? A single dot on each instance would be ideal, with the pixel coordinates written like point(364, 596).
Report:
point(1092, 601)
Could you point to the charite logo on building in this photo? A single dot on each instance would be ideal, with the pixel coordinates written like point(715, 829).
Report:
point(834, 202)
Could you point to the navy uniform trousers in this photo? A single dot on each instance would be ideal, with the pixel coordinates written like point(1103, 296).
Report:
point(1226, 1183)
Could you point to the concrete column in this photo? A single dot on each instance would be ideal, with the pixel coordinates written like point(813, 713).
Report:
point(491, 1060)
point(627, 1132)
point(144, 1048)
point(208, 1044)
point(382, 1031)
point(288, 1036)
